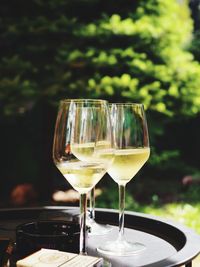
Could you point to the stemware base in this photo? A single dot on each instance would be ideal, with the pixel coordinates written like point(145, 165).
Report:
point(98, 229)
point(121, 248)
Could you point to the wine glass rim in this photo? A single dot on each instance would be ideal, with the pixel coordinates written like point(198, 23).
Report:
point(84, 100)
point(127, 104)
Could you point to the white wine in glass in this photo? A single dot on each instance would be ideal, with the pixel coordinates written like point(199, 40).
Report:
point(127, 163)
point(80, 123)
point(132, 151)
point(82, 175)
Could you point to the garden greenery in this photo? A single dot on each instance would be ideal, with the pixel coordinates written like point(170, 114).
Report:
point(118, 50)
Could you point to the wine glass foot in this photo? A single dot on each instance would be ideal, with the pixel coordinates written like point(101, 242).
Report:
point(121, 248)
point(98, 229)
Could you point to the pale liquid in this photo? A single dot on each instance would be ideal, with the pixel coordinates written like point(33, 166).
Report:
point(84, 151)
point(87, 153)
point(127, 162)
point(82, 176)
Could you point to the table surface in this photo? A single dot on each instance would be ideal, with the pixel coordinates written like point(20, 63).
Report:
point(167, 244)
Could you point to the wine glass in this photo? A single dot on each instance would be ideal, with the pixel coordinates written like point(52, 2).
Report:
point(80, 127)
point(132, 151)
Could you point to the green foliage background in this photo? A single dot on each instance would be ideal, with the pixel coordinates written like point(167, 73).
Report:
point(121, 51)
point(129, 51)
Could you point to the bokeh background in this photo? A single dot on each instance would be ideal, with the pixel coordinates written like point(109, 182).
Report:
point(125, 50)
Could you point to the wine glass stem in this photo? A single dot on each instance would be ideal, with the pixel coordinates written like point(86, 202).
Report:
point(121, 211)
point(92, 204)
point(83, 210)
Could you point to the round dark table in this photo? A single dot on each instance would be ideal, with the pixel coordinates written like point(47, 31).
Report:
point(167, 243)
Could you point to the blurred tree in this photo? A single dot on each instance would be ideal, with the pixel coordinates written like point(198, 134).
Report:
point(134, 50)
point(124, 51)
